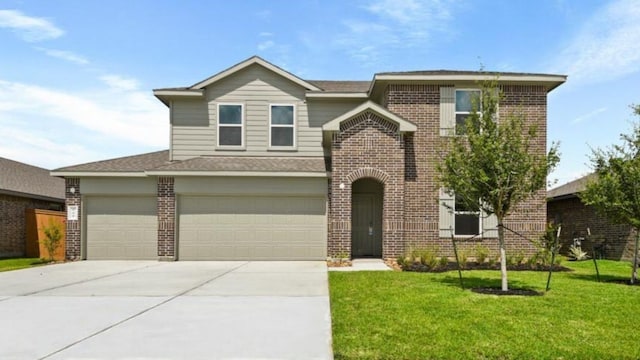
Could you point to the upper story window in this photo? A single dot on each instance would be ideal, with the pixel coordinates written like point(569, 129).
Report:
point(282, 125)
point(466, 221)
point(230, 125)
point(465, 100)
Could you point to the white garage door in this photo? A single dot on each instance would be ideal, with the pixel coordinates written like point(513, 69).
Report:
point(252, 228)
point(119, 227)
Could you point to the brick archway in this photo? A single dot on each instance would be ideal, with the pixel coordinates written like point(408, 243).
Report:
point(368, 172)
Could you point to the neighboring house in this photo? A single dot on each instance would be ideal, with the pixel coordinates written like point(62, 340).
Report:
point(24, 187)
point(611, 241)
point(265, 165)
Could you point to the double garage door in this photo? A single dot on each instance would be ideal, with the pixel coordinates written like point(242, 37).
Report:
point(209, 227)
point(251, 228)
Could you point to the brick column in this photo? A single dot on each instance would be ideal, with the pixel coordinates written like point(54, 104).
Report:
point(166, 218)
point(73, 234)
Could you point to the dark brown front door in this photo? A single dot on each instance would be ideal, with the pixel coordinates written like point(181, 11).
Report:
point(366, 225)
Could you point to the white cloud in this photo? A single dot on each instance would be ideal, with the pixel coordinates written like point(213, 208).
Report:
point(394, 23)
point(31, 29)
point(119, 83)
point(607, 46)
point(265, 45)
point(588, 115)
point(130, 117)
point(65, 55)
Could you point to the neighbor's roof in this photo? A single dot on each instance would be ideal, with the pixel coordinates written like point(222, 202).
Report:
point(20, 179)
point(157, 163)
point(569, 189)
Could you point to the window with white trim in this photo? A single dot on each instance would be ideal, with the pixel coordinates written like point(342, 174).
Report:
point(282, 132)
point(465, 101)
point(466, 221)
point(230, 125)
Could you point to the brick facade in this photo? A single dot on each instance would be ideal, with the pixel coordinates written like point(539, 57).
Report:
point(13, 222)
point(575, 217)
point(367, 146)
point(407, 167)
point(166, 218)
point(73, 236)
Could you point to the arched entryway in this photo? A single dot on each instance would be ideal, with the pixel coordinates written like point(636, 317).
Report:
point(366, 218)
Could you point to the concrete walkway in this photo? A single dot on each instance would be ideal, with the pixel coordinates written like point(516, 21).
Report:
point(364, 265)
point(166, 310)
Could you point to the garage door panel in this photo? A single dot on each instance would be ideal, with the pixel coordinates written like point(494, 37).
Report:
point(237, 227)
point(119, 227)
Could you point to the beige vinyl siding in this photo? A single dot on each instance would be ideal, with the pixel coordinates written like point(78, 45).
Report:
point(118, 186)
point(256, 88)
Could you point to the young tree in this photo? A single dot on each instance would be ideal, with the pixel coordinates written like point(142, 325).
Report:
point(615, 190)
point(53, 236)
point(495, 165)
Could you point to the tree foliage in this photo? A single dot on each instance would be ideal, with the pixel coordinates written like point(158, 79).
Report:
point(614, 190)
point(498, 163)
point(53, 236)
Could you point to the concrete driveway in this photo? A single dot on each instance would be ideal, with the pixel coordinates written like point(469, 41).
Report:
point(166, 310)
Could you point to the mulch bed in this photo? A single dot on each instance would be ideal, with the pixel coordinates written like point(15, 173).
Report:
point(418, 267)
point(510, 292)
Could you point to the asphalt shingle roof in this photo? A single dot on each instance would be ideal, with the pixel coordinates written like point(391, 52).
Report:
point(342, 86)
point(570, 188)
point(17, 177)
point(242, 163)
point(159, 161)
point(135, 163)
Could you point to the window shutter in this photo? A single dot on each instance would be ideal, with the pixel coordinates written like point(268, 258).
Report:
point(447, 111)
point(445, 204)
point(489, 226)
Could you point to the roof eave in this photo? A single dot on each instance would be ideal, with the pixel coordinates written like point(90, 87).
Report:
point(237, 173)
point(337, 95)
point(31, 196)
point(98, 173)
point(167, 95)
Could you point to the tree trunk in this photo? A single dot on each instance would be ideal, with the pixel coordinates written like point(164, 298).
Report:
point(634, 271)
point(503, 256)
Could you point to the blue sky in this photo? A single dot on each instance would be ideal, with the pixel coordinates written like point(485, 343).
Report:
point(76, 76)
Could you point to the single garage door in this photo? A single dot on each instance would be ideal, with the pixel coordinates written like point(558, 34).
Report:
point(252, 228)
point(119, 227)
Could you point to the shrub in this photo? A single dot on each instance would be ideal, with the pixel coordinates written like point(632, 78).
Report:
point(444, 262)
point(53, 235)
point(545, 247)
point(576, 253)
point(482, 253)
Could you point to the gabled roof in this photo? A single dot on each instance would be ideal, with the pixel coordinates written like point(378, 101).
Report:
point(251, 61)
point(403, 125)
point(342, 86)
point(20, 179)
point(570, 189)
point(125, 166)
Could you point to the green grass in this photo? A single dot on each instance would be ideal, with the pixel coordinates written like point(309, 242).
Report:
point(19, 263)
point(402, 315)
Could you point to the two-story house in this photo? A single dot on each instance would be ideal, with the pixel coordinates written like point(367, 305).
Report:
point(265, 165)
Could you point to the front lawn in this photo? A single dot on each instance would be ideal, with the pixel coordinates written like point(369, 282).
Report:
point(19, 263)
point(403, 315)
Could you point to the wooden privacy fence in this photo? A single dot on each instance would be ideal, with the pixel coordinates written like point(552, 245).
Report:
point(36, 221)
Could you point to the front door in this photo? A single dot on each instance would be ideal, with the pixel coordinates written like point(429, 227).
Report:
point(366, 225)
